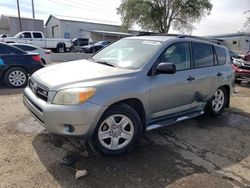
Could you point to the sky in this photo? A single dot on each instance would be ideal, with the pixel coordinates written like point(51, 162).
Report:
point(227, 16)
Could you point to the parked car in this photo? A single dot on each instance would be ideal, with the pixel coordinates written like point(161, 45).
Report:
point(44, 53)
point(80, 41)
point(37, 38)
point(246, 56)
point(16, 65)
point(134, 85)
point(241, 70)
point(95, 47)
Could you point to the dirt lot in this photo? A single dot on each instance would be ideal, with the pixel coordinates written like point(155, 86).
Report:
point(202, 152)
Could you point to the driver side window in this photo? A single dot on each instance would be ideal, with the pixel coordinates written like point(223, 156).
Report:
point(177, 54)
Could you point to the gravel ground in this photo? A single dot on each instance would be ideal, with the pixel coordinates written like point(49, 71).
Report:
point(202, 152)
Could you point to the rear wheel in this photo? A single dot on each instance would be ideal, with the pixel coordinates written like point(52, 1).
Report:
point(217, 103)
point(16, 77)
point(118, 131)
point(60, 48)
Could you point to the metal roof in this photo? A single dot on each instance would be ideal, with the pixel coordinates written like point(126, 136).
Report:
point(230, 35)
point(86, 20)
point(111, 33)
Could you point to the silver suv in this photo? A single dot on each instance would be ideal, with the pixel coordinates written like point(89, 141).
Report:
point(134, 85)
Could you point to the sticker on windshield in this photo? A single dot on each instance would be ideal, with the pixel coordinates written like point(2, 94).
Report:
point(155, 43)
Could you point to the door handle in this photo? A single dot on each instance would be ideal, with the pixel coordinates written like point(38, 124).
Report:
point(219, 74)
point(190, 79)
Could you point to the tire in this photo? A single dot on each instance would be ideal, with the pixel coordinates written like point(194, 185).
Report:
point(217, 103)
point(16, 77)
point(237, 81)
point(60, 48)
point(112, 139)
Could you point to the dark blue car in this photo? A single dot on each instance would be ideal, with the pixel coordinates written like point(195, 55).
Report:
point(95, 47)
point(17, 65)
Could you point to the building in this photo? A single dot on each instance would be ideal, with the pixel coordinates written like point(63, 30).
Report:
point(73, 27)
point(10, 25)
point(239, 42)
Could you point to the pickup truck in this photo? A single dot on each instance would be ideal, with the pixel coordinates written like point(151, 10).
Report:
point(37, 38)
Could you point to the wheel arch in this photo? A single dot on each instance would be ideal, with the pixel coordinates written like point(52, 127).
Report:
point(61, 44)
point(16, 66)
point(228, 90)
point(137, 105)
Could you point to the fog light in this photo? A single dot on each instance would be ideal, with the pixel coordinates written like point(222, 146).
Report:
point(69, 128)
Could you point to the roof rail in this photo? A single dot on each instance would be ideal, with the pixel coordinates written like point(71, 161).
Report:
point(182, 36)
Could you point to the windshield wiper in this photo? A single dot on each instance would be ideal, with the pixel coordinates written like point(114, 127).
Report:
point(106, 63)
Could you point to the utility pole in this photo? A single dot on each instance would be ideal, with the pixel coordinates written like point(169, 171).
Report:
point(19, 17)
point(164, 18)
point(33, 10)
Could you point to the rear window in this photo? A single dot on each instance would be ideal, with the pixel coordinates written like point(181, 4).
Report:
point(10, 50)
point(25, 48)
point(221, 55)
point(202, 55)
point(37, 35)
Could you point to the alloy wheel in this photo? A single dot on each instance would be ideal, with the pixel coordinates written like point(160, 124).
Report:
point(218, 100)
point(116, 132)
point(17, 78)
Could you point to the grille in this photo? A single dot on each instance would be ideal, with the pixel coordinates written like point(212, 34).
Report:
point(39, 90)
point(247, 67)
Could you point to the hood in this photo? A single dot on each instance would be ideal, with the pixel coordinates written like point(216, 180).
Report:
point(77, 72)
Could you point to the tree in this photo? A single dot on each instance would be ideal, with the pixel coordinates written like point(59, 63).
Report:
point(159, 15)
point(247, 23)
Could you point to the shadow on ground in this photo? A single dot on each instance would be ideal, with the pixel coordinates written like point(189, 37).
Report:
point(150, 165)
point(4, 90)
point(164, 157)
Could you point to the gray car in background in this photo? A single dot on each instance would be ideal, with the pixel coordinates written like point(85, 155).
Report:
point(134, 85)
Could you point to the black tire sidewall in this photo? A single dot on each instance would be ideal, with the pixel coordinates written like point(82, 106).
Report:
point(6, 77)
point(209, 107)
point(134, 117)
point(60, 46)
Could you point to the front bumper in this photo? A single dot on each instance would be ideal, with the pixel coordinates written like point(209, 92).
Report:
point(56, 118)
point(241, 73)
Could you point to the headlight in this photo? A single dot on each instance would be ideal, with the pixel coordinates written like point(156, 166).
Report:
point(73, 96)
point(238, 63)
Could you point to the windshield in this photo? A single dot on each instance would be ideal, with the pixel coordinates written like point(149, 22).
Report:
point(128, 53)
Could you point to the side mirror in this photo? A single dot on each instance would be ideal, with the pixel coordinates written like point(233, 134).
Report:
point(165, 68)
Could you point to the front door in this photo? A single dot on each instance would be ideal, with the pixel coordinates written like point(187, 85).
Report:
point(171, 93)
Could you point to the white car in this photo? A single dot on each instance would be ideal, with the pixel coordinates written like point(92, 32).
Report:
point(44, 53)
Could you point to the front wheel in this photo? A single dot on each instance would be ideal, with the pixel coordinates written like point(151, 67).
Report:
point(118, 131)
point(217, 103)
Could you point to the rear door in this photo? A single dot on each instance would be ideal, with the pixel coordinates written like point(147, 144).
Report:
point(205, 72)
point(171, 93)
point(38, 39)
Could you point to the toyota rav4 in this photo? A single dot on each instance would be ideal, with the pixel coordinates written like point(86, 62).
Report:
point(132, 86)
